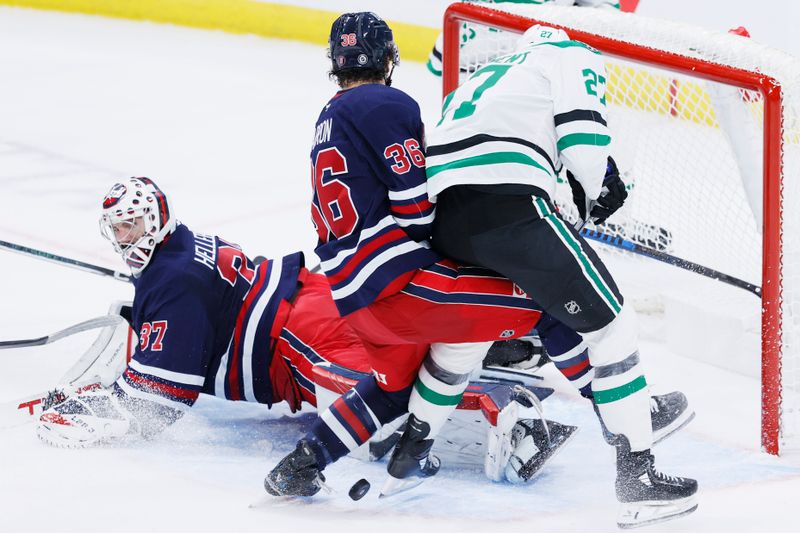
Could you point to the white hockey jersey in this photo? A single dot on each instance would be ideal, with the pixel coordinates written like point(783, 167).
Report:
point(519, 118)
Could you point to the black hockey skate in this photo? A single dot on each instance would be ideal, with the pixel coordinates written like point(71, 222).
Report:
point(411, 462)
point(669, 413)
point(648, 496)
point(298, 474)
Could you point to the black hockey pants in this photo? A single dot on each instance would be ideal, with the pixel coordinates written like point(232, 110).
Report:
point(523, 238)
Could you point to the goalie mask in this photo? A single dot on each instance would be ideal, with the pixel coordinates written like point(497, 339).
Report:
point(136, 218)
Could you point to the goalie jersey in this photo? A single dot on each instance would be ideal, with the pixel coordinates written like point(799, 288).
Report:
point(207, 319)
point(520, 117)
point(370, 207)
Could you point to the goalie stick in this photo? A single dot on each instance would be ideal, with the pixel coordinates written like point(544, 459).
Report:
point(639, 249)
point(99, 322)
point(74, 263)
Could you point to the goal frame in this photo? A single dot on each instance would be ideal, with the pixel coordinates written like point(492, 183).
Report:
point(770, 89)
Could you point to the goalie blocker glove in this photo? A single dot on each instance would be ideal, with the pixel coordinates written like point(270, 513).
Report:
point(611, 198)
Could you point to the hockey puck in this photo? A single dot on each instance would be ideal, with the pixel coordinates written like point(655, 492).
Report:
point(359, 489)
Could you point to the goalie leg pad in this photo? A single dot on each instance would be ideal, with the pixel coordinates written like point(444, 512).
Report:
point(106, 359)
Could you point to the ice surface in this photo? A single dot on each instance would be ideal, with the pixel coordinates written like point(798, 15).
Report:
point(224, 124)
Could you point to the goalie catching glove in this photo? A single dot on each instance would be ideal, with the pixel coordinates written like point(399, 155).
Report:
point(611, 198)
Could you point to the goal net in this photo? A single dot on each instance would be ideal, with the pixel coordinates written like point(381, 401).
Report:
point(707, 139)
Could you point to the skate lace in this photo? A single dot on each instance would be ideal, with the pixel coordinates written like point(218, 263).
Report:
point(661, 476)
point(536, 403)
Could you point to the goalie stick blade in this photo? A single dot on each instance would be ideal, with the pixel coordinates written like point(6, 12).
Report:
point(633, 515)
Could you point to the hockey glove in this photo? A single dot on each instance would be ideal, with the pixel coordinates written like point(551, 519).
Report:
point(613, 195)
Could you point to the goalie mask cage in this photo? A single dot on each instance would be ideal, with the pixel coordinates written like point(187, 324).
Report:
point(708, 142)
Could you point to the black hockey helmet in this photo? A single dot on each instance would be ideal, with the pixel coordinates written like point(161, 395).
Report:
point(361, 41)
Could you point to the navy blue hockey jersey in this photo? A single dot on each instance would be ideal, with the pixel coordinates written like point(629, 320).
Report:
point(370, 205)
point(204, 314)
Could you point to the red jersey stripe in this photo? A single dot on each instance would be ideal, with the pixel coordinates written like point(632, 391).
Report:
point(361, 430)
point(162, 387)
point(411, 209)
point(437, 282)
point(574, 369)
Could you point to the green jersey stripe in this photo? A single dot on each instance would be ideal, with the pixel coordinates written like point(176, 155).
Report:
point(618, 393)
point(435, 397)
point(591, 139)
point(496, 158)
point(594, 277)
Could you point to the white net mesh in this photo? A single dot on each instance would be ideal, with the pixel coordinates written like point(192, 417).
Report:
point(691, 153)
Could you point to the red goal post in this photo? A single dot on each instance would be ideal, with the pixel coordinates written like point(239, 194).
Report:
point(771, 91)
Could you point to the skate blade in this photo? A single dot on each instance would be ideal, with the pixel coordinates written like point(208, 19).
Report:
point(393, 485)
point(676, 425)
point(632, 515)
